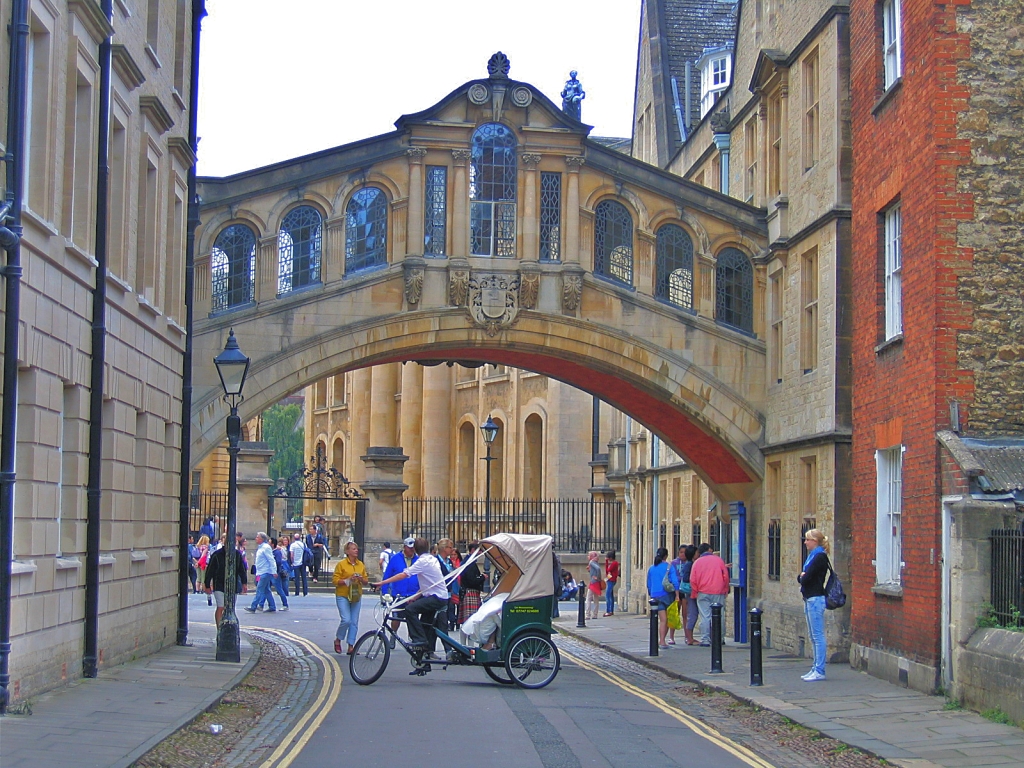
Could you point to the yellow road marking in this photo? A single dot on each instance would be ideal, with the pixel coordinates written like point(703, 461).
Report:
point(293, 742)
point(701, 729)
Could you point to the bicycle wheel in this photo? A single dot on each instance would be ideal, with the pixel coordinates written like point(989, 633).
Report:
point(370, 657)
point(532, 661)
point(498, 675)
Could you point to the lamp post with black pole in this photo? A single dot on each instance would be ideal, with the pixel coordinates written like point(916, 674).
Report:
point(490, 430)
point(232, 366)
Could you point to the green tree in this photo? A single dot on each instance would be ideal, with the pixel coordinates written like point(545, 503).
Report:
point(283, 432)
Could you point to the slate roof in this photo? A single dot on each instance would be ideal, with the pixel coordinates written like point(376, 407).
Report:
point(999, 460)
point(623, 145)
point(690, 27)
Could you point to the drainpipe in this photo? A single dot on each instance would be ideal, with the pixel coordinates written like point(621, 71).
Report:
point(722, 141)
point(94, 492)
point(10, 241)
point(185, 487)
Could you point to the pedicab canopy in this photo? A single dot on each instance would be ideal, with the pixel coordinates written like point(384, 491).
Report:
point(526, 564)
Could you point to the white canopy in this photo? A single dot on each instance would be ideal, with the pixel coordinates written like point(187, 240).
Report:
point(526, 562)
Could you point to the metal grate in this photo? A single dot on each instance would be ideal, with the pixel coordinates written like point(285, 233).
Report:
point(435, 229)
point(366, 226)
point(233, 268)
point(1008, 577)
point(734, 290)
point(674, 266)
point(775, 550)
point(613, 241)
point(298, 249)
point(550, 216)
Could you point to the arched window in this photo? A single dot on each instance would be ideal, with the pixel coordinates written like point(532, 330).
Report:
point(492, 191)
point(734, 290)
point(675, 266)
point(613, 241)
point(533, 458)
point(233, 268)
point(467, 461)
point(298, 249)
point(366, 227)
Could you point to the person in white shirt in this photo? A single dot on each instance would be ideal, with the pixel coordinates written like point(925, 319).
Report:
point(266, 572)
point(431, 598)
point(299, 571)
point(385, 556)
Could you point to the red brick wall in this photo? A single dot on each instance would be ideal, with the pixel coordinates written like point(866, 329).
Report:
point(906, 150)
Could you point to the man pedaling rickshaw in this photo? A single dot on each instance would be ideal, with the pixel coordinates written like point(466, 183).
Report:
point(432, 597)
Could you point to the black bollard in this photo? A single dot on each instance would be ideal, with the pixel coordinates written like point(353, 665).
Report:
point(653, 612)
point(581, 617)
point(756, 675)
point(716, 637)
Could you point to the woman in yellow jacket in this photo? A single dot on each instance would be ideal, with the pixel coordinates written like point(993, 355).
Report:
point(349, 578)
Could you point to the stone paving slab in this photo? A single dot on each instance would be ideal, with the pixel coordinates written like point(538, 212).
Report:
point(125, 711)
point(907, 728)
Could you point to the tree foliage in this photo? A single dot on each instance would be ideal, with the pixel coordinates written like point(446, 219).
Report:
point(284, 433)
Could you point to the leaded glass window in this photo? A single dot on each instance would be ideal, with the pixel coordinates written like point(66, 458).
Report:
point(298, 249)
point(550, 216)
point(492, 191)
point(233, 268)
point(734, 290)
point(613, 241)
point(435, 220)
point(366, 227)
point(675, 266)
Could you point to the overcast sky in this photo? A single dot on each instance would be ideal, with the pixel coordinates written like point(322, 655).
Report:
point(283, 79)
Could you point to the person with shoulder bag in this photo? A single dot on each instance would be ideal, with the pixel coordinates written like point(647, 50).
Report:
point(596, 586)
point(660, 598)
point(812, 587)
point(349, 579)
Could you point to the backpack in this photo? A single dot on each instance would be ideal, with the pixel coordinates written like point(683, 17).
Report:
point(834, 595)
point(307, 555)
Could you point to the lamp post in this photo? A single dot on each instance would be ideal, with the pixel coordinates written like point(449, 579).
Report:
point(490, 430)
point(232, 366)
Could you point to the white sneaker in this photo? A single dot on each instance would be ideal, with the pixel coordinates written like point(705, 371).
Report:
point(805, 675)
point(813, 677)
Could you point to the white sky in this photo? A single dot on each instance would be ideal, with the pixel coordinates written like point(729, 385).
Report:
point(283, 78)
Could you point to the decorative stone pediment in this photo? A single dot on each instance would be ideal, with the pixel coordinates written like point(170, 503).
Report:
point(494, 301)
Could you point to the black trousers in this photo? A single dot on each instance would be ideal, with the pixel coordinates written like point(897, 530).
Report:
point(421, 612)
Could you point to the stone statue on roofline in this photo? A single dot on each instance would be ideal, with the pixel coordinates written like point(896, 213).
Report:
point(572, 95)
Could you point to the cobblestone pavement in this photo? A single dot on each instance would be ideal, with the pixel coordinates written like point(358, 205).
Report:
point(773, 736)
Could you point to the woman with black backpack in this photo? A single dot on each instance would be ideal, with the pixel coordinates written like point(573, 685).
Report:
point(812, 587)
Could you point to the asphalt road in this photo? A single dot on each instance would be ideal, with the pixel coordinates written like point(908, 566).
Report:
point(588, 716)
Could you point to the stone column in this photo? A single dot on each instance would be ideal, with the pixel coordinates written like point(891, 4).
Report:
point(436, 431)
point(572, 210)
point(253, 483)
point(266, 269)
point(460, 207)
point(531, 222)
point(412, 423)
point(414, 239)
point(332, 266)
point(359, 409)
point(384, 385)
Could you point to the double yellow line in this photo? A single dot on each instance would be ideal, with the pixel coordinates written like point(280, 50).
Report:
point(701, 729)
point(293, 742)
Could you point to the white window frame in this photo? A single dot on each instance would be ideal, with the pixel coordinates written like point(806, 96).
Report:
point(892, 48)
point(713, 81)
point(889, 516)
point(893, 229)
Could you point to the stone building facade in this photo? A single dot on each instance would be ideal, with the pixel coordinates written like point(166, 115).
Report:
point(777, 134)
point(938, 159)
point(150, 159)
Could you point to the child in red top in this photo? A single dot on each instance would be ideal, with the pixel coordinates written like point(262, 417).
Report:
point(611, 571)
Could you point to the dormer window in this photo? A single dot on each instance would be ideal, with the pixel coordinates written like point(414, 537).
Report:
point(715, 68)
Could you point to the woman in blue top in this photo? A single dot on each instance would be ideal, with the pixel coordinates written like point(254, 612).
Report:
point(655, 577)
point(812, 588)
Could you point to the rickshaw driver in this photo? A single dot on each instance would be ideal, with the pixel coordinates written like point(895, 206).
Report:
point(433, 595)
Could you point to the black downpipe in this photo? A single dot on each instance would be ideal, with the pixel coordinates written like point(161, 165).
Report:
point(185, 487)
point(94, 491)
point(10, 241)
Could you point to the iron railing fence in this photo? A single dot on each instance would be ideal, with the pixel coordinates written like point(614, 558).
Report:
point(1008, 576)
point(208, 504)
point(576, 525)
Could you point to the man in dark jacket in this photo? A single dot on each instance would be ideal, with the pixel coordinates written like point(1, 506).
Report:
point(214, 581)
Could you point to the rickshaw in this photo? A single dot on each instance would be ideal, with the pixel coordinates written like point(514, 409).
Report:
point(524, 653)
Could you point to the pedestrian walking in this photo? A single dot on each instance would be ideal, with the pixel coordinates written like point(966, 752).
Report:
point(283, 576)
point(317, 544)
point(674, 614)
point(205, 551)
point(385, 556)
point(266, 570)
point(297, 556)
point(812, 588)
point(216, 569)
point(193, 561)
point(596, 586)
point(611, 574)
point(656, 576)
point(709, 580)
point(687, 605)
point(349, 578)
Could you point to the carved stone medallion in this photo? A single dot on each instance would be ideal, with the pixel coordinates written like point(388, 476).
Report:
point(494, 301)
point(522, 96)
point(478, 93)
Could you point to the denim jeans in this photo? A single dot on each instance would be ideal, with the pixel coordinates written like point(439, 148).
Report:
point(704, 603)
point(349, 624)
point(281, 587)
point(814, 610)
point(299, 574)
point(609, 596)
point(264, 593)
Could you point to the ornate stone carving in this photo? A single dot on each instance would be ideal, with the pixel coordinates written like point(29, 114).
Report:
point(461, 155)
point(522, 96)
point(413, 286)
point(494, 301)
point(416, 153)
point(720, 121)
point(478, 94)
point(572, 290)
point(530, 159)
point(498, 66)
point(458, 287)
point(529, 287)
point(574, 163)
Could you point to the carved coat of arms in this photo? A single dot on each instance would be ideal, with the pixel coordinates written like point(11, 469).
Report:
point(494, 301)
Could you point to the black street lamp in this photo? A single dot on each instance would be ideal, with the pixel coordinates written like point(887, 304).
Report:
point(232, 366)
point(490, 430)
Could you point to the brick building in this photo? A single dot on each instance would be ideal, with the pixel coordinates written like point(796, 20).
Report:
point(936, 109)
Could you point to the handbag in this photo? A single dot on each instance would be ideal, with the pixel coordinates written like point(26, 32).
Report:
point(666, 582)
point(834, 595)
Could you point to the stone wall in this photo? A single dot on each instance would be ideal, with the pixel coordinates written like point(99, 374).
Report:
point(989, 670)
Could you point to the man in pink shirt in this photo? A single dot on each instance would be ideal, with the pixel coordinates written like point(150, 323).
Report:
point(709, 579)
